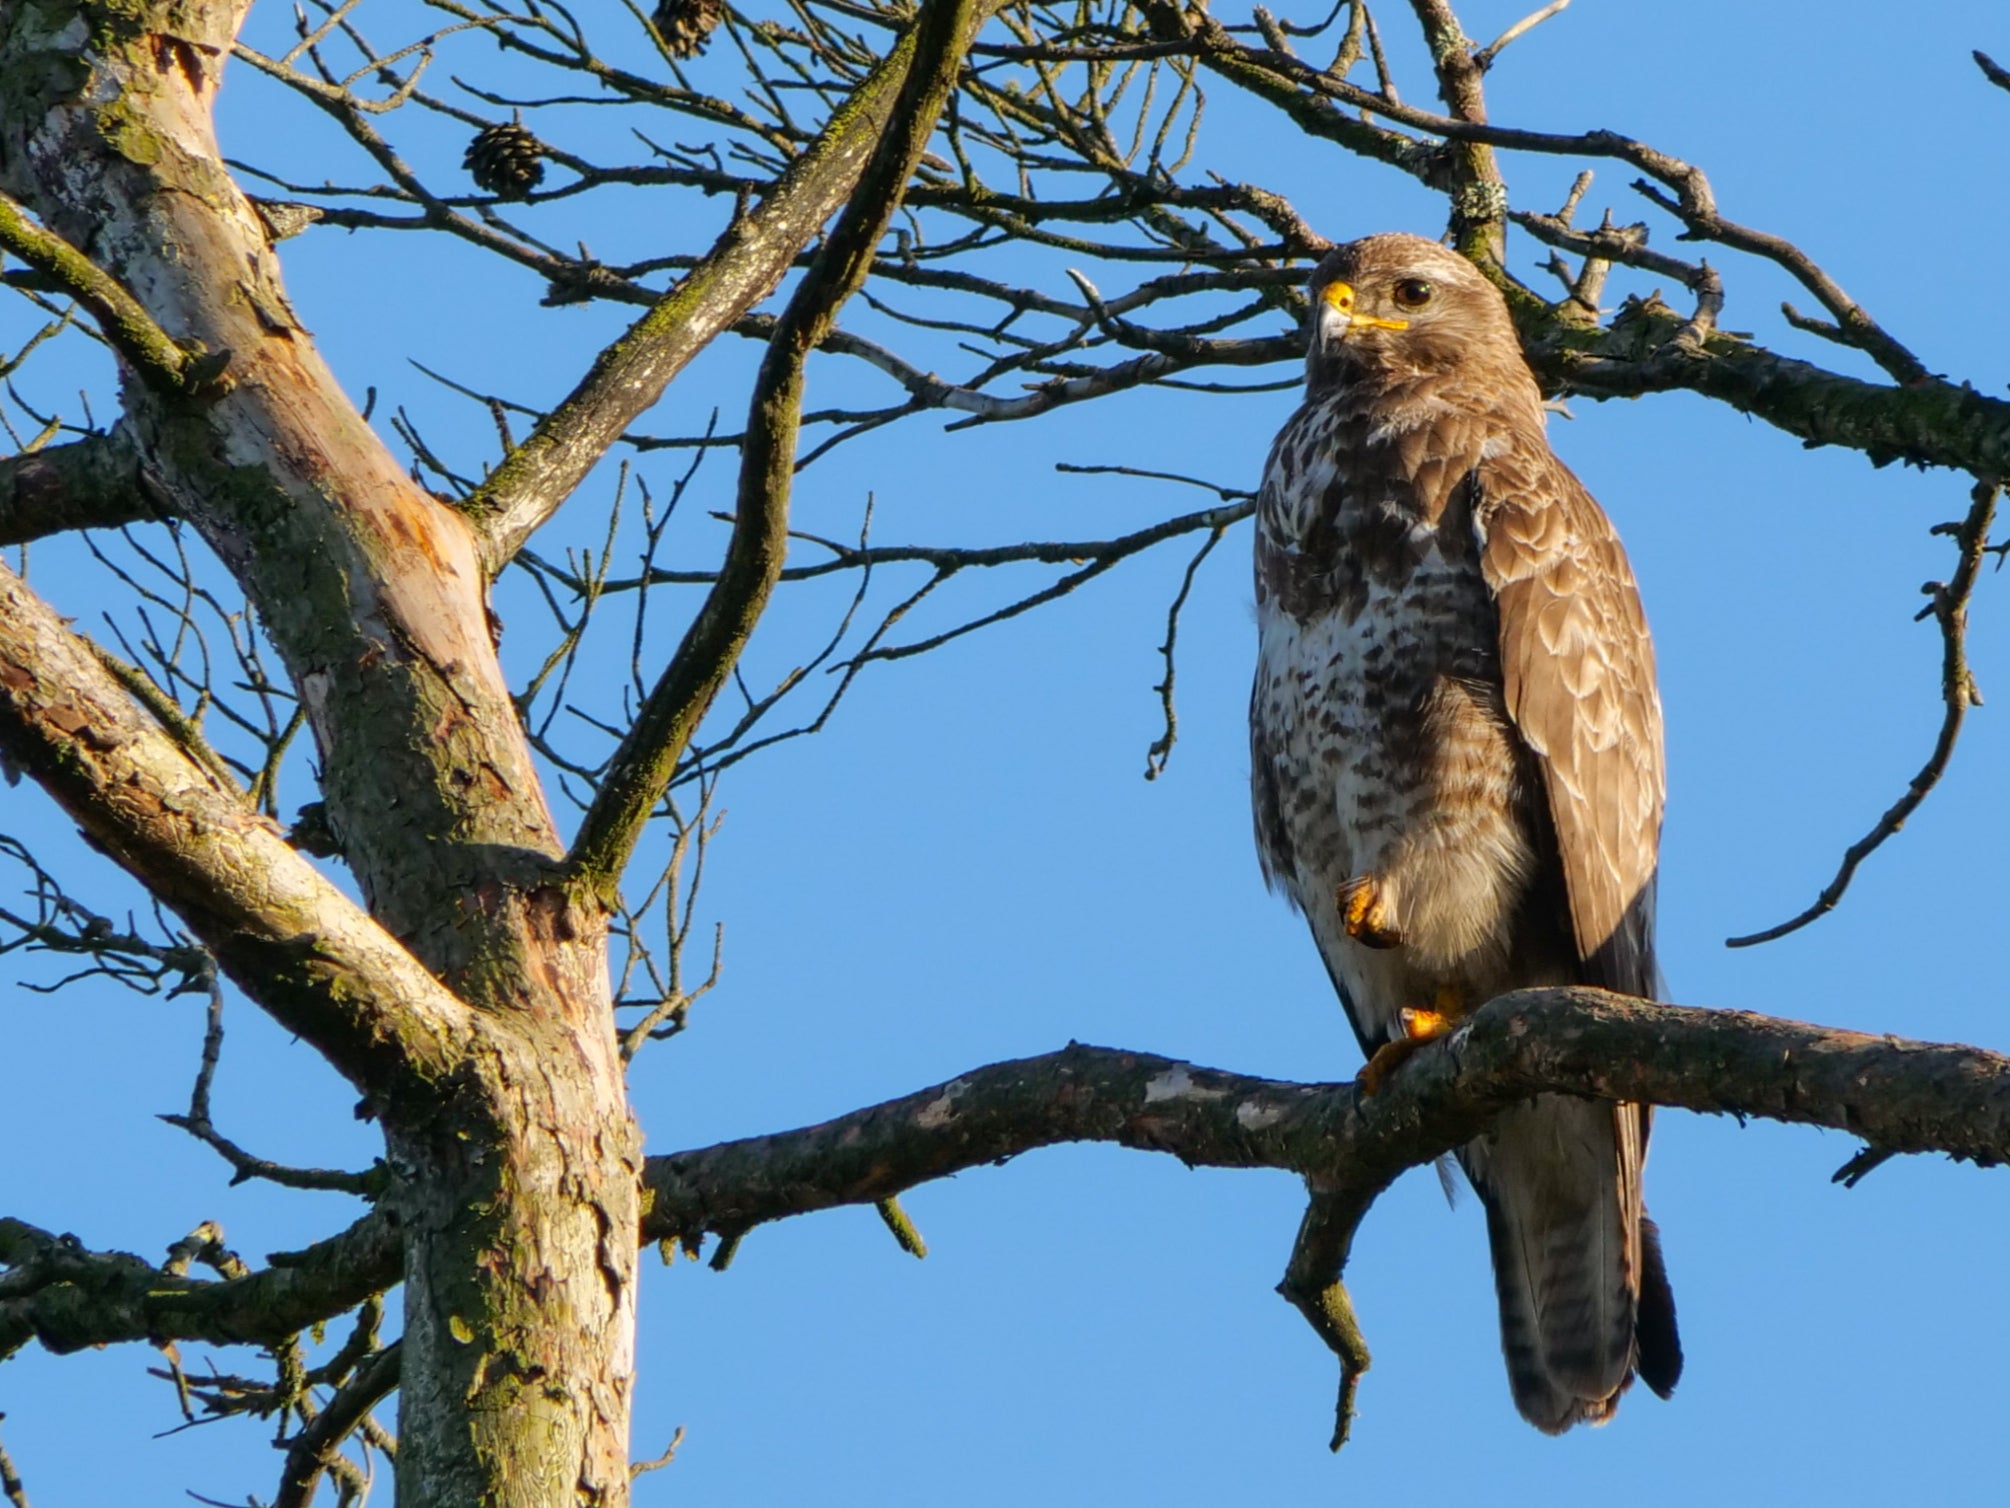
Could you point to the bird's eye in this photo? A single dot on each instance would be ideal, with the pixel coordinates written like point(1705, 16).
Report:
point(1412, 293)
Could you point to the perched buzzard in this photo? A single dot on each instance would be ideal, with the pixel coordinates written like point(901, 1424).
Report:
point(1455, 748)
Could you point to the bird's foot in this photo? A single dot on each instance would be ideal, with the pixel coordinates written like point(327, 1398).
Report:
point(1367, 913)
point(1419, 1027)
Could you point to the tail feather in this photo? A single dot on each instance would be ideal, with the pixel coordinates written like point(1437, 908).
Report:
point(1659, 1344)
point(1577, 1268)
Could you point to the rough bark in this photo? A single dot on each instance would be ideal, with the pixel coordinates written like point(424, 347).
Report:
point(91, 484)
point(66, 1298)
point(1900, 1096)
point(296, 944)
point(515, 1179)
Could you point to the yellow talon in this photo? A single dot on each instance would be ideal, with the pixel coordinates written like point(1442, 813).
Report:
point(1365, 913)
point(1418, 1027)
point(1422, 1026)
point(1387, 1059)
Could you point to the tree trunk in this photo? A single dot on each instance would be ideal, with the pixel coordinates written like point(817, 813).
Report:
point(515, 1161)
point(520, 1211)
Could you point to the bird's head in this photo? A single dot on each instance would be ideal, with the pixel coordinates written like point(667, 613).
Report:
point(1396, 306)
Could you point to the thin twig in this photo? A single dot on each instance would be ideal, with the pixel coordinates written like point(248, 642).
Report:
point(1157, 756)
point(657, 1463)
point(1486, 55)
point(197, 1123)
point(316, 1449)
point(1948, 606)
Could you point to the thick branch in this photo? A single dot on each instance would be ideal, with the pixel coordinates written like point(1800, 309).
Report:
point(368, 588)
point(128, 326)
point(642, 767)
point(57, 1292)
point(740, 271)
point(1931, 422)
point(289, 937)
point(1479, 196)
point(90, 484)
point(1898, 1095)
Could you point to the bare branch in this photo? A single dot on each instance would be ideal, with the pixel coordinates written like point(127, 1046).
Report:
point(1157, 756)
point(88, 484)
point(642, 768)
point(244, 1165)
point(317, 1447)
point(1931, 423)
point(288, 936)
point(131, 330)
point(1312, 1283)
point(57, 1292)
point(1948, 607)
point(657, 1463)
point(743, 268)
point(905, 1236)
point(1278, 77)
point(1486, 55)
point(11, 1484)
point(1901, 1096)
point(1478, 193)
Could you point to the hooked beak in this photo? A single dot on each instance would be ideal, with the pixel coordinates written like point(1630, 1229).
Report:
point(1339, 297)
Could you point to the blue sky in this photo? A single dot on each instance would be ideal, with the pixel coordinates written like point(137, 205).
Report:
point(966, 865)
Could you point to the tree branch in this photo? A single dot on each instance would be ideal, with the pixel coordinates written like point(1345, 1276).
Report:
point(1305, 93)
point(151, 351)
point(59, 1293)
point(740, 270)
point(1931, 422)
point(1479, 195)
point(315, 1449)
point(1898, 1095)
point(1313, 1287)
point(11, 1485)
point(642, 767)
point(290, 938)
point(88, 484)
point(1948, 608)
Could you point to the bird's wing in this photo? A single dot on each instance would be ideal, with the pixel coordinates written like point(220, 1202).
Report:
point(1578, 670)
point(1578, 667)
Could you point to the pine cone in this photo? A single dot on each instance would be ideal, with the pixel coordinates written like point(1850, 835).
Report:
point(687, 25)
point(506, 161)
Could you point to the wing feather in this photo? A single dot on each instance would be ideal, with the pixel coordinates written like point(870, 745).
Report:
point(1578, 666)
point(1579, 669)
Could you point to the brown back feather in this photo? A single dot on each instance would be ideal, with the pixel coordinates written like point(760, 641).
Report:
point(1579, 670)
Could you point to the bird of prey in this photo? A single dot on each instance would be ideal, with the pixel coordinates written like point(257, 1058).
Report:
point(1455, 748)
